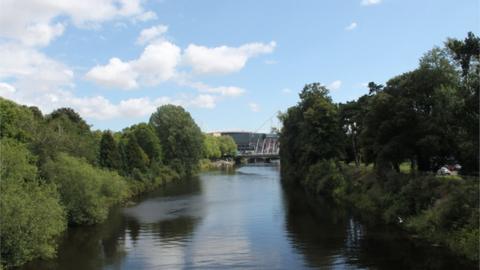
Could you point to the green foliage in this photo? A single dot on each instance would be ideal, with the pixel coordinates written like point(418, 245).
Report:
point(86, 192)
point(465, 242)
point(417, 122)
point(427, 116)
point(211, 147)
point(16, 121)
point(326, 179)
point(311, 132)
point(109, 154)
point(72, 189)
point(215, 147)
point(135, 157)
point(71, 115)
point(148, 141)
point(227, 146)
point(32, 217)
point(180, 137)
point(65, 131)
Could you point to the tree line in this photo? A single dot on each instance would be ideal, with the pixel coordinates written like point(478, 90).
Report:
point(56, 172)
point(417, 122)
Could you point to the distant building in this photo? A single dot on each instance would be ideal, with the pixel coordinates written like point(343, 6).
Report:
point(252, 142)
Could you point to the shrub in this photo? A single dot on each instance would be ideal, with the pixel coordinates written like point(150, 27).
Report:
point(326, 179)
point(31, 214)
point(87, 192)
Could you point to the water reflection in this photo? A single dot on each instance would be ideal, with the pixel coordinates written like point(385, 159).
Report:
point(241, 220)
point(331, 237)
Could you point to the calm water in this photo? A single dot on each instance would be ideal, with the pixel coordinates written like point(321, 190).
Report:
point(239, 220)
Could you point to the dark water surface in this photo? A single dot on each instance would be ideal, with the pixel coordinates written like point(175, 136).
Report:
point(239, 220)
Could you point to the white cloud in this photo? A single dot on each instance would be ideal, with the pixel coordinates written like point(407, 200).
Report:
point(254, 107)
point(223, 59)
point(147, 16)
point(32, 22)
point(30, 77)
point(351, 26)
point(115, 74)
point(98, 107)
point(370, 2)
point(156, 64)
point(204, 101)
point(151, 33)
point(6, 88)
point(41, 34)
point(229, 91)
point(30, 68)
point(335, 85)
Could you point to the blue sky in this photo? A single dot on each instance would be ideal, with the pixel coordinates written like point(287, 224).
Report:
point(232, 64)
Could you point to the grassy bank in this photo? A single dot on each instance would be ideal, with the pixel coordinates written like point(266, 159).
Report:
point(443, 210)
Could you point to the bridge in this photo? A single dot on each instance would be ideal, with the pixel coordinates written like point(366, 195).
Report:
point(254, 146)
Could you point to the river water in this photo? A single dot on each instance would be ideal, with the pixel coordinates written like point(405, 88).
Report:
point(239, 220)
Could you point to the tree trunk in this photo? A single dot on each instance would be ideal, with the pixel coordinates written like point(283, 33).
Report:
point(354, 147)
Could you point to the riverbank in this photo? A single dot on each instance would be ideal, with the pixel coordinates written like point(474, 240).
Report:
point(209, 165)
point(442, 210)
point(245, 219)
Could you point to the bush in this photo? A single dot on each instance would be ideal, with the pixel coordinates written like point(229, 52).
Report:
point(87, 192)
point(326, 179)
point(32, 218)
point(465, 241)
point(31, 214)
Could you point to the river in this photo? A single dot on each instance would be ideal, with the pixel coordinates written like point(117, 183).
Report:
point(239, 220)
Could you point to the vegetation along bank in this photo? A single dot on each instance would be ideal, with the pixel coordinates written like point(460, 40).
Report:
point(380, 153)
point(56, 172)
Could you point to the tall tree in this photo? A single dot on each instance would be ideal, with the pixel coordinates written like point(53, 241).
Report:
point(409, 119)
point(135, 156)
point(466, 54)
point(148, 141)
point(109, 156)
point(311, 132)
point(180, 137)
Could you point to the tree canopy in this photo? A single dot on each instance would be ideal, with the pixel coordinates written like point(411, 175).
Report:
point(180, 137)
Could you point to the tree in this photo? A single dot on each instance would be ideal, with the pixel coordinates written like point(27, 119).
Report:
point(148, 141)
point(135, 158)
point(227, 146)
point(73, 116)
point(86, 192)
point(109, 156)
point(311, 132)
point(180, 137)
point(466, 54)
point(351, 122)
point(32, 217)
point(412, 117)
point(374, 88)
point(65, 131)
point(16, 121)
point(211, 148)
